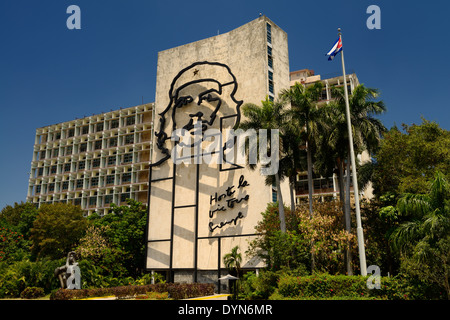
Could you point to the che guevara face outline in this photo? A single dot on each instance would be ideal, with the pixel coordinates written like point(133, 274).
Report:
point(212, 96)
point(181, 97)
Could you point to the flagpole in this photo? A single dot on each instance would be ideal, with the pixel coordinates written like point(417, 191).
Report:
point(359, 229)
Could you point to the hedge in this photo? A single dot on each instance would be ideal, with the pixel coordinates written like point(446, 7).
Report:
point(327, 286)
point(176, 291)
point(32, 293)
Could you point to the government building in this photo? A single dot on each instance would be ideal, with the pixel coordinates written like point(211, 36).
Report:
point(198, 211)
point(93, 161)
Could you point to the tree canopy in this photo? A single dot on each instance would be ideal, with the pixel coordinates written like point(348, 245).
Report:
point(406, 161)
point(57, 229)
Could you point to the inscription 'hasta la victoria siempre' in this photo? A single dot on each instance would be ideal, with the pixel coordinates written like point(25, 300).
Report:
point(212, 227)
point(229, 204)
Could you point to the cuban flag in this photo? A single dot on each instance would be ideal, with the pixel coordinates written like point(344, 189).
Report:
point(337, 47)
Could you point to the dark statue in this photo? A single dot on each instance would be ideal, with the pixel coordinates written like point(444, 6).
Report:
point(69, 275)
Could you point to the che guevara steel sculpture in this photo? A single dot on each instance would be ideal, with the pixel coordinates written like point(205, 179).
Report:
point(209, 90)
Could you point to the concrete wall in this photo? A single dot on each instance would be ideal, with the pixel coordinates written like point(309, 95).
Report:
point(181, 227)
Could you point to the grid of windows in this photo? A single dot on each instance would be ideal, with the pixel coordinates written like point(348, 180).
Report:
point(270, 62)
point(93, 161)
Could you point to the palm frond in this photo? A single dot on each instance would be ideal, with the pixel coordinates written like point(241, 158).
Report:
point(416, 205)
point(405, 234)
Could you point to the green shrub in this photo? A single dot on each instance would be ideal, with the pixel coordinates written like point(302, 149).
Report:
point(253, 287)
point(325, 286)
point(322, 286)
point(17, 276)
point(32, 293)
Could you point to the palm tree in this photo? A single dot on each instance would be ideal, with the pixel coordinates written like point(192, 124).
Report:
point(366, 129)
point(233, 261)
point(292, 158)
point(269, 115)
point(306, 118)
point(426, 234)
point(335, 148)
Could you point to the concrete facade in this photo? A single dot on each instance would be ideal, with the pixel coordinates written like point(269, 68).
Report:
point(93, 161)
point(198, 212)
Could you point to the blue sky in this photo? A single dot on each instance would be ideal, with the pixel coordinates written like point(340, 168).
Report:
point(50, 74)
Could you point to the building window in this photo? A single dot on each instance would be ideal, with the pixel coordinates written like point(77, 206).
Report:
point(71, 133)
point(55, 152)
point(51, 187)
point(94, 182)
point(108, 199)
point(81, 165)
point(269, 51)
point(40, 172)
point(111, 160)
point(99, 127)
point(66, 167)
point(113, 142)
point(124, 197)
point(38, 189)
point(98, 144)
point(110, 179)
point(271, 87)
point(126, 177)
point(130, 120)
point(129, 139)
point(114, 124)
point(85, 130)
point(83, 147)
point(79, 184)
point(269, 33)
point(42, 154)
point(127, 157)
point(53, 170)
point(65, 185)
point(96, 163)
point(270, 62)
point(68, 150)
point(274, 193)
point(92, 201)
